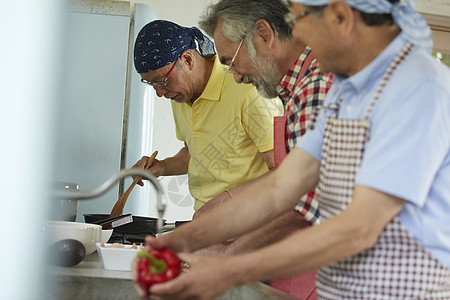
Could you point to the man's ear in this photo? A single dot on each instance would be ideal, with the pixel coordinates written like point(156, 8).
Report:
point(341, 17)
point(264, 32)
point(187, 59)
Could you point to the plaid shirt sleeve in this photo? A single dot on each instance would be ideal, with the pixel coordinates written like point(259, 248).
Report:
point(301, 100)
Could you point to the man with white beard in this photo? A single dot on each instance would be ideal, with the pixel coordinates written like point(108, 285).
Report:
point(254, 40)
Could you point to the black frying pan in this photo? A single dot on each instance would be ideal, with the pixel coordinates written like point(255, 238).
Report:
point(140, 226)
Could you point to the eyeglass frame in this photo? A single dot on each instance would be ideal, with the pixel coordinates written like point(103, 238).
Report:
point(290, 18)
point(230, 68)
point(161, 82)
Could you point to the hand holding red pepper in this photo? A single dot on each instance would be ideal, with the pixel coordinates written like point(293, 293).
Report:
point(157, 266)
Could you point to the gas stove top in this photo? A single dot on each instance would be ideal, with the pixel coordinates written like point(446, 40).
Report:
point(127, 239)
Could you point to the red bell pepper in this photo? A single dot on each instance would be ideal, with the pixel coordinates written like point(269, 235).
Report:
point(157, 266)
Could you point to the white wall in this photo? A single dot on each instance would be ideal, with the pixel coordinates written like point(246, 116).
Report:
point(187, 12)
point(437, 14)
point(434, 7)
point(183, 12)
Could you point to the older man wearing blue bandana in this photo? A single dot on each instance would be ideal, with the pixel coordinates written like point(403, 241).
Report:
point(226, 127)
point(380, 153)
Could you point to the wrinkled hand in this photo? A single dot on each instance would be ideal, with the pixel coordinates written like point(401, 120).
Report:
point(207, 278)
point(157, 168)
point(157, 243)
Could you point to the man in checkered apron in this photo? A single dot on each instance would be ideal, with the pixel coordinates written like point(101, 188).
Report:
point(282, 68)
point(380, 154)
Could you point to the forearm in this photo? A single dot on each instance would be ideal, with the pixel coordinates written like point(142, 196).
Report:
point(260, 202)
point(347, 234)
point(219, 224)
point(282, 259)
point(273, 232)
point(222, 198)
point(178, 164)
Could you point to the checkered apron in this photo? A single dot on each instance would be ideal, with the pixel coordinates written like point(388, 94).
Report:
point(397, 267)
point(308, 206)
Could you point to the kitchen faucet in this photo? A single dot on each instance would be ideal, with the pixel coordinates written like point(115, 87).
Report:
point(161, 201)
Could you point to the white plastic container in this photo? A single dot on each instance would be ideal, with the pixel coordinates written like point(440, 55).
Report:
point(117, 259)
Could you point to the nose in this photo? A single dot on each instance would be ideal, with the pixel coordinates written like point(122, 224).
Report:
point(160, 90)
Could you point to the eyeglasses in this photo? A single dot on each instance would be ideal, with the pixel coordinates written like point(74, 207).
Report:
point(161, 82)
point(230, 68)
point(291, 18)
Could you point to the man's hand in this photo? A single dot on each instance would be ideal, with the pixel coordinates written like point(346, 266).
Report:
point(207, 278)
point(154, 243)
point(157, 168)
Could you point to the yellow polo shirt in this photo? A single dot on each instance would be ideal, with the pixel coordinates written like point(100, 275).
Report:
point(225, 130)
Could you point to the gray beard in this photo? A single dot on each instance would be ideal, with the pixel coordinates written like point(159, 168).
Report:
point(268, 80)
point(264, 88)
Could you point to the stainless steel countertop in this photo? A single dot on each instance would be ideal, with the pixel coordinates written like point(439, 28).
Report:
point(88, 280)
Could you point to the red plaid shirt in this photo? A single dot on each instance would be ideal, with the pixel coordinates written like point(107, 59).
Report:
point(300, 96)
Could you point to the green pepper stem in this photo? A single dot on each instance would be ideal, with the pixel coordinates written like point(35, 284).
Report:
point(157, 266)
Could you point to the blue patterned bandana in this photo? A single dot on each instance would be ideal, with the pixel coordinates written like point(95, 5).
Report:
point(410, 22)
point(160, 43)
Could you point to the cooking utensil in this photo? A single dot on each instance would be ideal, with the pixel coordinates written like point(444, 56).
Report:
point(112, 223)
point(141, 226)
point(134, 232)
point(120, 204)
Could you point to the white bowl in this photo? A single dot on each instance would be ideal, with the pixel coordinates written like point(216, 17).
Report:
point(117, 259)
point(87, 234)
point(106, 234)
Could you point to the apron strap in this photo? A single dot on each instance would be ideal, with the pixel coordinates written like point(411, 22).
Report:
point(279, 139)
point(387, 75)
point(280, 122)
point(306, 65)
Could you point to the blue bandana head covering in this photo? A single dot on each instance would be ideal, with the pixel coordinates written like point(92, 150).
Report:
point(410, 22)
point(160, 43)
